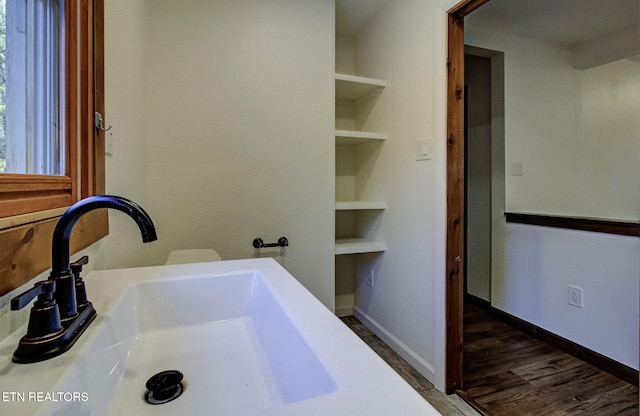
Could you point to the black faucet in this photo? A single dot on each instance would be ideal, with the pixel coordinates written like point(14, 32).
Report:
point(62, 312)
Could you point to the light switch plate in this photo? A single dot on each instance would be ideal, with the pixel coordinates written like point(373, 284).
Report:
point(423, 149)
point(516, 168)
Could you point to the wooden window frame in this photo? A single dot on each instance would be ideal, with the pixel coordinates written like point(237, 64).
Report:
point(31, 204)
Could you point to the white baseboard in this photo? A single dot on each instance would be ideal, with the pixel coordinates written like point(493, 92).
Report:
point(417, 362)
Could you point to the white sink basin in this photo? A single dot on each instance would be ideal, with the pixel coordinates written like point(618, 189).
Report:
point(228, 335)
point(249, 339)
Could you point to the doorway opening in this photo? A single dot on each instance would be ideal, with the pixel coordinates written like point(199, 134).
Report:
point(484, 165)
point(458, 187)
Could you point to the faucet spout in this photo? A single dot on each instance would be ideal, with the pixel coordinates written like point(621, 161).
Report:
point(60, 263)
point(62, 233)
point(57, 318)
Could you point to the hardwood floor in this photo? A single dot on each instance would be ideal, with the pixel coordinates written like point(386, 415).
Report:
point(507, 372)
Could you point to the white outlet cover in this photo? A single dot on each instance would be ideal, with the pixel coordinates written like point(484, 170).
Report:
point(575, 296)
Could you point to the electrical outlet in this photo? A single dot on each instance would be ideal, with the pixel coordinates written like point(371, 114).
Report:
point(370, 279)
point(575, 296)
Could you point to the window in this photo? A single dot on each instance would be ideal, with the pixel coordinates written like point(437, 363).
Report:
point(32, 108)
point(51, 84)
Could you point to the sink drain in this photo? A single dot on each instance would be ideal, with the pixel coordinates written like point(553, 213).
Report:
point(164, 387)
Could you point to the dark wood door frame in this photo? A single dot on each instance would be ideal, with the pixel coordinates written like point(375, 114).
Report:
point(455, 253)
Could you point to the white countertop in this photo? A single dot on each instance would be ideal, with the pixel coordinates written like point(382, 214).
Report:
point(364, 383)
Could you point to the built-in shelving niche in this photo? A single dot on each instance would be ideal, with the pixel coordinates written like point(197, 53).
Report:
point(357, 220)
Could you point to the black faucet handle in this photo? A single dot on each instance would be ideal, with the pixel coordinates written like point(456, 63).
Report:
point(76, 266)
point(44, 288)
point(81, 291)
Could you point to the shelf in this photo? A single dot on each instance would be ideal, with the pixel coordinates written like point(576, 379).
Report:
point(353, 88)
point(359, 205)
point(358, 245)
point(351, 137)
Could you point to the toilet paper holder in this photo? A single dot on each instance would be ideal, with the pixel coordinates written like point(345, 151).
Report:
point(282, 242)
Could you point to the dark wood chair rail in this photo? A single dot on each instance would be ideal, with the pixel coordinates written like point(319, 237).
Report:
point(630, 228)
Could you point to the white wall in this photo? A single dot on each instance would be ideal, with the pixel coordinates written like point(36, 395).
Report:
point(575, 133)
point(222, 129)
point(579, 126)
point(609, 129)
point(404, 45)
point(239, 102)
point(536, 266)
point(125, 102)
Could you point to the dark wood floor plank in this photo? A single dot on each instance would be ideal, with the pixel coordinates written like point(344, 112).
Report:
point(484, 387)
point(508, 372)
point(505, 361)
